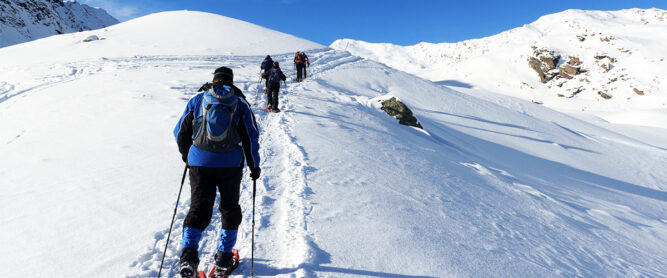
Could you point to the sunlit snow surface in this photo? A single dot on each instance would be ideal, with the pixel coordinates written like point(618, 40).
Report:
point(493, 186)
point(499, 63)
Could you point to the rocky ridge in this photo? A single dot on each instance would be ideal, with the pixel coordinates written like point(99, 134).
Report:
point(26, 20)
point(574, 60)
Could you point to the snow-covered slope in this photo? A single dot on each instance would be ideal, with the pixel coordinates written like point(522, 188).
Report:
point(501, 186)
point(168, 33)
point(26, 20)
point(618, 62)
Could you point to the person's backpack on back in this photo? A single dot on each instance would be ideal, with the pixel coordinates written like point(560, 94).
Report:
point(276, 75)
point(298, 59)
point(267, 64)
point(215, 128)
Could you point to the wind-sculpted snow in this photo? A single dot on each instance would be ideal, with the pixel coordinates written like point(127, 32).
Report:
point(617, 72)
point(492, 185)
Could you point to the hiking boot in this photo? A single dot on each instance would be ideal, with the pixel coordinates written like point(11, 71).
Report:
point(187, 270)
point(275, 110)
point(189, 263)
point(223, 262)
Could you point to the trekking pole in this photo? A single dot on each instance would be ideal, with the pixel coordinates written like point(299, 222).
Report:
point(286, 97)
point(172, 221)
point(259, 83)
point(252, 252)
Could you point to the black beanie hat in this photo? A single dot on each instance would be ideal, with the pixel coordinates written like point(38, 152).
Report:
point(224, 75)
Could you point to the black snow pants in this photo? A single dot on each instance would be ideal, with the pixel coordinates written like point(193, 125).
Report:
point(204, 182)
point(272, 94)
point(299, 71)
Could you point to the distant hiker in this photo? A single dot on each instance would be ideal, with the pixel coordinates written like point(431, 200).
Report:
point(304, 57)
point(300, 61)
point(266, 66)
point(273, 87)
point(215, 134)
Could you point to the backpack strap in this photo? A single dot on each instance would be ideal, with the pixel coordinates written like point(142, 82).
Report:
point(226, 96)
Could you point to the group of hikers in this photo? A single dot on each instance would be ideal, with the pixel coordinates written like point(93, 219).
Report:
point(216, 134)
point(273, 74)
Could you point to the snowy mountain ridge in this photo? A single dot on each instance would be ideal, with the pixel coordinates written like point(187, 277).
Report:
point(604, 63)
point(26, 20)
point(491, 185)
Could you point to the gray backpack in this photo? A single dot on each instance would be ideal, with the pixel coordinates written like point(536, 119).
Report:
point(215, 128)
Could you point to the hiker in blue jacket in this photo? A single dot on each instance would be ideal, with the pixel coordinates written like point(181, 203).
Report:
point(273, 87)
point(216, 133)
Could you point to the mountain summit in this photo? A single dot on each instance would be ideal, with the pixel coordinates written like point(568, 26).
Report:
point(26, 20)
point(164, 33)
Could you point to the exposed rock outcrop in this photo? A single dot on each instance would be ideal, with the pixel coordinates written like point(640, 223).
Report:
point(400, 111)
point(544, 62)
point(604, 95)
point(91, 38)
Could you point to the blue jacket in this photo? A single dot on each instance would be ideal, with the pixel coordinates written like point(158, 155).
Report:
point(247, 129)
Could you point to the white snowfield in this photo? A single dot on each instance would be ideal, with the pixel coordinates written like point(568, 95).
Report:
point(629, 40)
point(493, 186)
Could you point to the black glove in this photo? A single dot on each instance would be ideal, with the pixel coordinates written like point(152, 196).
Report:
point(185, 157)
point(255, 172)
point(309, 64)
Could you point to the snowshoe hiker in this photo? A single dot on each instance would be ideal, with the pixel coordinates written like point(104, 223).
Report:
point(266, 67)
point(299, 64)
point(306, 63)
point(216, 133)
point(273, 87)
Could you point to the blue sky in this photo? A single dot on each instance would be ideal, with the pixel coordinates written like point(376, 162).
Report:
point(400, 22)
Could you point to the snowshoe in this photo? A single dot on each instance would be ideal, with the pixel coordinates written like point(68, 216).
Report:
point(268, 108)
point(228, 263)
